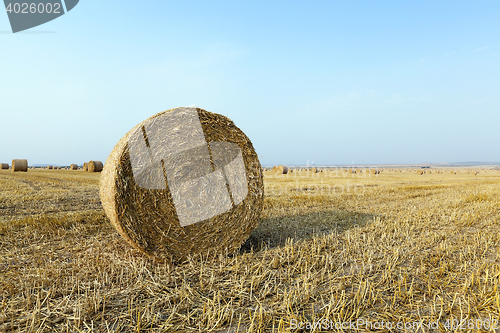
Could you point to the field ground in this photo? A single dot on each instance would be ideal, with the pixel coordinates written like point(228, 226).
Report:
point(395, 247)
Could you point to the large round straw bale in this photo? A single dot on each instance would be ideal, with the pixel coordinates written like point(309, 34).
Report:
point(280, 169)
point(183, 182)
point(4, 166)
point(85, 166)
point(95, 166)
point(73, 167)
point(19, 165)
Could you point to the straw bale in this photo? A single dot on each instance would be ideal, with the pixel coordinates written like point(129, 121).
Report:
point(73, 167)
point(183, 182)
point(95, 166)
point(85, 166)
point(280, 169)
point(4, 166)
point(19, 165)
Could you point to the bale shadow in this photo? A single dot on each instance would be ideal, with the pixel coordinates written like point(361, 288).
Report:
point(273, 232)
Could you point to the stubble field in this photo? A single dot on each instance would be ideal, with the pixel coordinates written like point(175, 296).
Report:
point(331, 248)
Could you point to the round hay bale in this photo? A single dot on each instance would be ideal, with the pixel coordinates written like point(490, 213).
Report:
point(183, 182)
point(314, 170)
point(420, 172)
point(85, 166)
point(73, 167)
point(20, 165)
point(50, 167)
point(4, 166)
point(95, 166)
point(280, 169)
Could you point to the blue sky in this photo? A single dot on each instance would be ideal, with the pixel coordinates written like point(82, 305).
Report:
point(334, 82)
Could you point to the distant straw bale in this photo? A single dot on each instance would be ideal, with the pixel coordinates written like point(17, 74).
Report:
point(73, 167)
point(20, 165)
point(281, 169)
point(95, 166)
point(4, 166)
point(85, 166)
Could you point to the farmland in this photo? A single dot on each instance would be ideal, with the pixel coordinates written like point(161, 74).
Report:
point(331, 247)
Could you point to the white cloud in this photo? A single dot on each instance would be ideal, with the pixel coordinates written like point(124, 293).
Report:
point(485, 48)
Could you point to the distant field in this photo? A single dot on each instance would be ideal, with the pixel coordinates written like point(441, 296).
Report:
point(331, 247)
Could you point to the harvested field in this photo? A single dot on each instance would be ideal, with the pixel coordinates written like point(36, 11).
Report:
point(394, 246)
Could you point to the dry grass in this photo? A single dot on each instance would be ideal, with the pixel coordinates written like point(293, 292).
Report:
point(404, 248)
